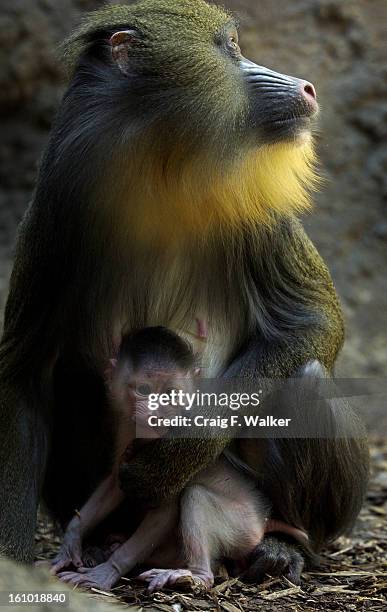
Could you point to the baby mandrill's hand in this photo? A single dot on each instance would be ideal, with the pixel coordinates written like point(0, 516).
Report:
point(70, 552)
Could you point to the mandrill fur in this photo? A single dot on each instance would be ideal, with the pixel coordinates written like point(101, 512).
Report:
point(170, 190)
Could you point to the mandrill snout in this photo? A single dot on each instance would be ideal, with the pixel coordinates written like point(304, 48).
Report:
point(281, 106)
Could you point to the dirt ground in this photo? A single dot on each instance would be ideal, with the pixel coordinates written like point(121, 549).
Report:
point(340, 46)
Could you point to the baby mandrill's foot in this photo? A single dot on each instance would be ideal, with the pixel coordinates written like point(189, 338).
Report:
point(157, 579)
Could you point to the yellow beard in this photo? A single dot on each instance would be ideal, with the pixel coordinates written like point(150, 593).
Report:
point(274, 180)
point(167, 201)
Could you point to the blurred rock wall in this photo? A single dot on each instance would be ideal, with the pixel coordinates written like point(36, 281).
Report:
point(340, 45)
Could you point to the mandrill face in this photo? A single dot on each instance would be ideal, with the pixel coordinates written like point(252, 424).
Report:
point(201, 135)
point(181, 68)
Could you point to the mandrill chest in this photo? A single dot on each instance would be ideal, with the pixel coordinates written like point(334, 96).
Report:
point(190, 290)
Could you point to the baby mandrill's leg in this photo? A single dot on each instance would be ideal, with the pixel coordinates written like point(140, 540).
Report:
point(197, 542)
point(219, 519)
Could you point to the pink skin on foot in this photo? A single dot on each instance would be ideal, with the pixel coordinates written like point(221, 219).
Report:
point(157, 579)
point(103, 576)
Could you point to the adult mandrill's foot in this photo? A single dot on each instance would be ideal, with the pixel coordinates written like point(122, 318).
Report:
point(275, 558)
point(157, 579)
point(103, 576)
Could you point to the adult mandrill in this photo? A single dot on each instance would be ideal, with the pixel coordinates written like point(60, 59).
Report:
point(168, 192)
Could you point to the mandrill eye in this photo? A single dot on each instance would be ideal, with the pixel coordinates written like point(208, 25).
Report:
point(144, 390)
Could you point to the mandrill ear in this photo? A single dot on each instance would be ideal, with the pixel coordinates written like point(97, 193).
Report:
point(121, 42)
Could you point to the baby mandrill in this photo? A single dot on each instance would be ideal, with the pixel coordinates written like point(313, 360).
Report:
point(220, 514)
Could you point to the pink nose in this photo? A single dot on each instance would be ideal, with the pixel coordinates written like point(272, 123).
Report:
point(308, 90)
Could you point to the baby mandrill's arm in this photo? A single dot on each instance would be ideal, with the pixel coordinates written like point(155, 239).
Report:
point(102, 502)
